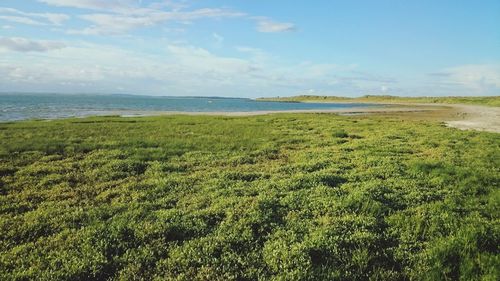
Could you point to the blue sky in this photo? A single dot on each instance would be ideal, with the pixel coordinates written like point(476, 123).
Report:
point(251, 48)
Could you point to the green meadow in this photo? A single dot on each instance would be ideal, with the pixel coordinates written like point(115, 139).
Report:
point(486, 100)
point(271, 197)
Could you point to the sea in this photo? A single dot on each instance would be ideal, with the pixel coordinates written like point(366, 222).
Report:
point(16, 106)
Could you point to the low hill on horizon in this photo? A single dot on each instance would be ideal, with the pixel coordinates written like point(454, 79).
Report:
point(482, 100)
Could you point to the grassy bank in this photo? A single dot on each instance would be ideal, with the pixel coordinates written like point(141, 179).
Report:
point(488, 101)
point(285, 196)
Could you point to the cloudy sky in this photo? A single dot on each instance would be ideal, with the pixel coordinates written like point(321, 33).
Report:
point(251, 48)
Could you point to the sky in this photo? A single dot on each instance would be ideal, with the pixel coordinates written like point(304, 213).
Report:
point(256, 48)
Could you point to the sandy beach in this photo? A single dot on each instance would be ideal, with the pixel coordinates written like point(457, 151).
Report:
point(349, 111)
point(465, 117)
point(483, 118)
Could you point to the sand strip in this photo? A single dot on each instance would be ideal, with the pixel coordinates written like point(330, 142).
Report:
point(482, 118)
point(465, 117)
point(348, 111)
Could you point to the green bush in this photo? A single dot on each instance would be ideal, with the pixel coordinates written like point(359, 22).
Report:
point(340, 134)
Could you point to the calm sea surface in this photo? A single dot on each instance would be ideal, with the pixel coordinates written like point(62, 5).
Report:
point(52, 106)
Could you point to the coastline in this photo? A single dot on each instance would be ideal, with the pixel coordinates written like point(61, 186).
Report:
point(460, 116)
point(383, 108)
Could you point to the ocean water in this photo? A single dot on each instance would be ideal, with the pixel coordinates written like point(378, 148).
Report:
point(52, 106)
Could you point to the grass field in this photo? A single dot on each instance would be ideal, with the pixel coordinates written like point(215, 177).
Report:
point(488, 101)
point(282, 197)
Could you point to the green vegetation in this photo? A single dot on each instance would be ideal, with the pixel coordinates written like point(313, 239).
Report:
point(489, 101)
point(282, 197)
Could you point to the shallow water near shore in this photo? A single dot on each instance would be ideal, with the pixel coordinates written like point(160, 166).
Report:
point(53, 106)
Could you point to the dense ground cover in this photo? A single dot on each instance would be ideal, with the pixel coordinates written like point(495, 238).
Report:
point(489, 101)
point(284, 197)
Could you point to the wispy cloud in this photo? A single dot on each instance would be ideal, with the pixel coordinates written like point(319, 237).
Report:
point(108, 5)
point(21, 20)
point(257, 54)
point(17, 16)
point(270, 26)
point(26, 45)
point(180, 69)
point(121, 16)
point(475, 79)
point(120, 23)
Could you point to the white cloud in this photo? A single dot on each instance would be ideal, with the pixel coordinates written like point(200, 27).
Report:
point(17, 16)
point(112, 24)
point(257, 55)
point(120, 23)
point(320, 69)
point(269, 26)
point(475, 76)
point(109, 5)
point(124, 15)
point(478, 79)
point(26, 45)
point(21, 20)
point(179, 70)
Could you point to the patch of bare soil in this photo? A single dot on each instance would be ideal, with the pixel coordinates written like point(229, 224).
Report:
point(475, 117)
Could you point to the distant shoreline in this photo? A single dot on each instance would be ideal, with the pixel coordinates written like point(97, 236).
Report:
point(481, 113)
point(353, 110)
point(387, 99)
point(342, 111)
point(464, 117)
